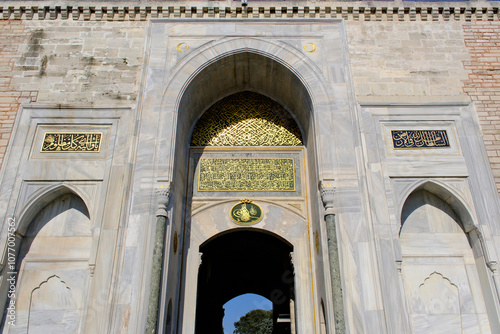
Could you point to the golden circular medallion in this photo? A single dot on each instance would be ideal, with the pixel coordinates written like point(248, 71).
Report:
point(246, 213)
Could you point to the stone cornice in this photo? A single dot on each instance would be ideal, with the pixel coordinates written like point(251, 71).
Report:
point(352, 11)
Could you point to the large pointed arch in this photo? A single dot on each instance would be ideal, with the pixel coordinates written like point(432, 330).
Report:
point(193, 81)
point(190, 90)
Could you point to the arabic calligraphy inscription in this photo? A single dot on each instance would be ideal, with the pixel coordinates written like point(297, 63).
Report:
point(71, 142)
point(402, 139)
point(246, 174)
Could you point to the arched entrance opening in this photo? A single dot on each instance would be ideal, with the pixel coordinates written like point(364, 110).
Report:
point(248, 308)
point(244, 261)
point(249, 138)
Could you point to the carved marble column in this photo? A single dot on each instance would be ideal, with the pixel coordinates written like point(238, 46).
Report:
point(163, 196)
point(327, 195)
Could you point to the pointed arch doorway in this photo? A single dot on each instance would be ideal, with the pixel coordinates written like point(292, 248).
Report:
point(245, 145)
point(247, 154)
point(244, 261)
point(258, 147)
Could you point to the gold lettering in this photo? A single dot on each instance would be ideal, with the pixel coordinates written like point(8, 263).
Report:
point(419, 139)
point(246, 174)
point(71, 142)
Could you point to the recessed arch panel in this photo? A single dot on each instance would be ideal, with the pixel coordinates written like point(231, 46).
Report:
point(41, 199)
point(435, 245)
point(52, 263)
point(447, 195)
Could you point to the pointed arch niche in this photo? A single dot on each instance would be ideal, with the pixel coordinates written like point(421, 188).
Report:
point(444, 274)
point(52, 262)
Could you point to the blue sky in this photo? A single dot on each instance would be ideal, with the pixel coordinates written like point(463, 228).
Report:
point(239, 306)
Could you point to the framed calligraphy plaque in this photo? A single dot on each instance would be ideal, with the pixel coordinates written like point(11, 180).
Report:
point(246, 174)
point(419, 139)
point(59, 142)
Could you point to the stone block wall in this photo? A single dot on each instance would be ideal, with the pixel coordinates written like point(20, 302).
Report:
point(406, 60)
point(64, 62)
point(86, 63)
point(12, 35)
point(482, 40)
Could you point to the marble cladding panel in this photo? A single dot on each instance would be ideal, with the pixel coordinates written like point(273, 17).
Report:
point(51, 297)
point(215, 218)
point(437, 324)
point(416, 162)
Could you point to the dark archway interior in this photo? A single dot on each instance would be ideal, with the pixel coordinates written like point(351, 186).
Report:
point(244, 261)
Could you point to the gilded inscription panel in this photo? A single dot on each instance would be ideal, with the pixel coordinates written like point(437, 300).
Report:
point(246, 174)
point(56, 142)
point(405, 139)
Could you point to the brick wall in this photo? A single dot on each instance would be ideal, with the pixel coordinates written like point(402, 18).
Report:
point(482, 40)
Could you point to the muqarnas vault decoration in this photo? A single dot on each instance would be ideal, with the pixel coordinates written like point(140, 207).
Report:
point(246, 119)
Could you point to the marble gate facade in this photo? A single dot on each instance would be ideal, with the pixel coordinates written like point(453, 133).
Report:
point(392, 223)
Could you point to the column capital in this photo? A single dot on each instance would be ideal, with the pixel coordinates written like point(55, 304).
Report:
point(163, 196)
point(493, 266)
point(327, 190)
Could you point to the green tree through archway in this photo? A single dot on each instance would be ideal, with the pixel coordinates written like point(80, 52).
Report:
point(255, 322)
